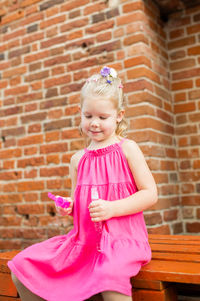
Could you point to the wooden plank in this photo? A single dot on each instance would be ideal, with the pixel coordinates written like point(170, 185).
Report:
point(4, 258)
point(7, 287)
point(162, 237)
point(6, 298)
point(176, 249)
point(148, 284)
point(173, 257)
point(171, 272)
point(175, 242)
point(168, 294)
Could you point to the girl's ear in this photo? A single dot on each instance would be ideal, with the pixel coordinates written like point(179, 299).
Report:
point(120, 115)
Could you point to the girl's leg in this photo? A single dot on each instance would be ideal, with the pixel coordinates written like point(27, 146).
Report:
point(115, 296)
point(24, 293)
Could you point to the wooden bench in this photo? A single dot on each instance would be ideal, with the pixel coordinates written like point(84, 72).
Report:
point(175, 260)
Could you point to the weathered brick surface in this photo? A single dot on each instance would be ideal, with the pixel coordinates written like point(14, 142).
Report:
point(47, 50)
point(185, 70)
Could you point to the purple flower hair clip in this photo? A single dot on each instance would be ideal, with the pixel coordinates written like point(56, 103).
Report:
point(109, 73)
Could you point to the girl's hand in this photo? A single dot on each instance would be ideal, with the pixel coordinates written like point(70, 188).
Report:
point(65, 211)
point(100, 210)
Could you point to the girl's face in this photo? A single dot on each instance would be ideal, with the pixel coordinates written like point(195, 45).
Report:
point(99, 118)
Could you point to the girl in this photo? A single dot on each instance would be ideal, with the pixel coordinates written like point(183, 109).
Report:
point(109, 241)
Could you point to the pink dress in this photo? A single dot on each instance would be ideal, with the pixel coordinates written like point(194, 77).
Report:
point(70, 267)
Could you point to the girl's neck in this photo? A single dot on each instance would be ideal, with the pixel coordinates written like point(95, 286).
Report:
point(101, 144)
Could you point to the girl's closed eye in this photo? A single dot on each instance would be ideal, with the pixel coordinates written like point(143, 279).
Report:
point(88, 116)
point(103, 118)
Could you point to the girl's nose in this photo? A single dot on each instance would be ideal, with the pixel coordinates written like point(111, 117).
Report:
point(94, 122)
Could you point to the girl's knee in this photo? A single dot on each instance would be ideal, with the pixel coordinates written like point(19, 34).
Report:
point(115, 296)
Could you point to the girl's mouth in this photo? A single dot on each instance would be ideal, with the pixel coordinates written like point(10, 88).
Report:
point(95, 132)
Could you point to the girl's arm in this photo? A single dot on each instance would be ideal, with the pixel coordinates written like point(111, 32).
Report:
point(73, 176)
point(145, 197)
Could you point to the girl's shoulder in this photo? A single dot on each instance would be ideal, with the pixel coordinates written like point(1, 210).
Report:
point(130, 147)
point(76, 158)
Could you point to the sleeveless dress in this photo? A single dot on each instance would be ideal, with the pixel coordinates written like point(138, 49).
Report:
point(71, 267)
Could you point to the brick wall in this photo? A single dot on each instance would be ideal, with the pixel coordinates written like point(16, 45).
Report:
point(184, 56)
point(47, 50)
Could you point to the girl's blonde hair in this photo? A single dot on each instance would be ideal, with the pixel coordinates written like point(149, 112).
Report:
point(97, 85)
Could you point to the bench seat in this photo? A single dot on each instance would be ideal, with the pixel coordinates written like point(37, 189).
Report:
point(175, 261)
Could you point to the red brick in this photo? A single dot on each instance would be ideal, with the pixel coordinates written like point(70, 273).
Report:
point(10, 153)
point(10, 175)
point(171, 215)
point(53, 148)
point(71, 134)
point(16, 90)
point(140, 60)
point(126, 19)
point(57, 60)
point(8, 164)
point(99, 27)
point(54, 184)
point(40, 116)
point(181, 43)
point(30, 185)
point(193, 227)
point(153, 218)
point(95, 7)
point(54, 41)
point(32, 38)
point(58, 70)
point(182, 64)
point(37, 76)
point(35, 57)
point(15, 81)
point(30, 209)
point(193, 29)
point(186, 74)
point(195, 94)
point(182, 85)
point(143, 72)
point(136, 38)
point(184, 108)
point(25, 3)
point(196, 164)
point(75, 35)
point(32, 173)
point(177, 33)
point(34, 161)
point(66, 157)
point(57, 124)
point(194, 50)
point(57, 81)
point(34, 139)
point(12, 17)
point(181, 96)
point(130, 7)
point(17, 131)
point(52, 159)
point(73, 4)
point(61, 171)
point(52, 136)
point(71, 110)
point(52, 11)
point(52, 21)
point(55, 114)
